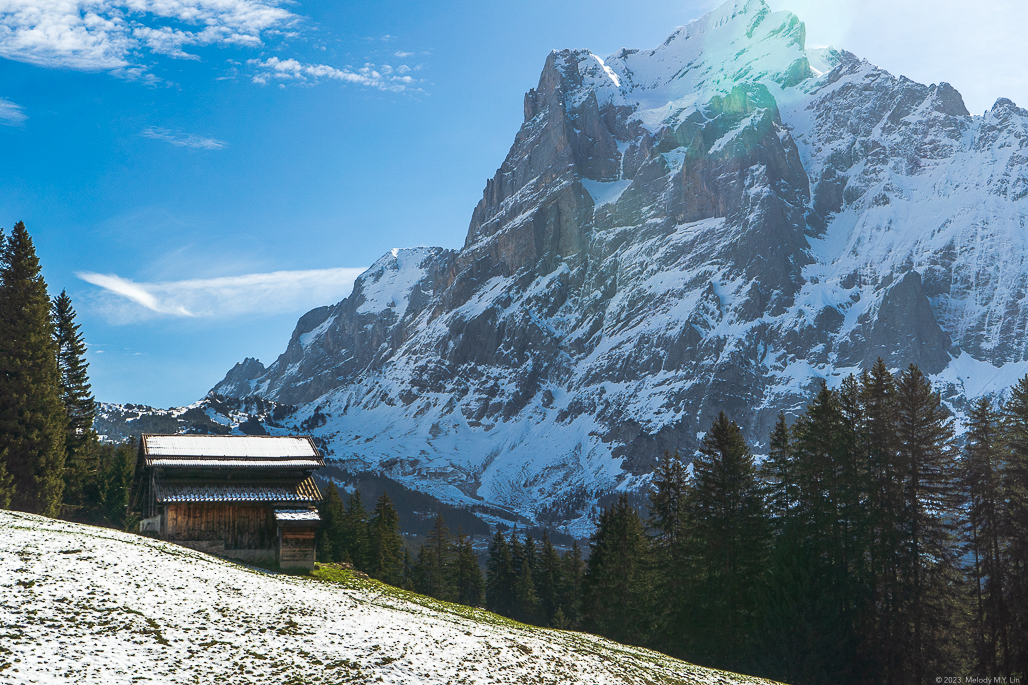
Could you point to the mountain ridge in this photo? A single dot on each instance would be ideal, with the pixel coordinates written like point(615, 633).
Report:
point(719, 223)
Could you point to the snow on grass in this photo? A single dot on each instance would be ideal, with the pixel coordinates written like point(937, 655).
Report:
point(80, 604)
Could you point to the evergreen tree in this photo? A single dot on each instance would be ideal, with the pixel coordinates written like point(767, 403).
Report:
point(1014, 483)
point(668, 500)
point(729, 532)
point(984, 543)
point(547, 581)
point(500, 577)
point(385, 544)
point(108, 492)
point(331, 540)
point(570, 589)
point(80, 441)
point(616, 586)
point(468, 583)
point(32, 418)
point(526, 601)
point(408, 570)
point(812, 577)
point(931, 507)
point(355, 541)
point(884, 637)
point(435, 559)
point(776, 474)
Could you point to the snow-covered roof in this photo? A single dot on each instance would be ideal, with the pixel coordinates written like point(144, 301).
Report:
point(172, 492)
point(297, 516)
point(231, 450)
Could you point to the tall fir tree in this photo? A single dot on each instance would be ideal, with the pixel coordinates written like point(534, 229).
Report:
point(984, 543)
point(884, 635)
point(931, 499)
point(547, 581)
point(468, 584)
point(1014, 483)
point(668, 500)
point(33, 421)
point(433, 571)
point(500, 576)
point(616, 587)
point(330, 538)
point(729, 532)
point(355, 543)
point(570, 589)
point(81, 443)
point(385, 545)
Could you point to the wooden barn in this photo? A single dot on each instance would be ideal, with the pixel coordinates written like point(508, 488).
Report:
point(247, 497)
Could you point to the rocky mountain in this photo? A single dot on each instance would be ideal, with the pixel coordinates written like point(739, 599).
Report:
point(715, 224)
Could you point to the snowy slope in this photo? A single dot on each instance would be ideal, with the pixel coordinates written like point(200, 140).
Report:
point(90, 605)
point(719, 223)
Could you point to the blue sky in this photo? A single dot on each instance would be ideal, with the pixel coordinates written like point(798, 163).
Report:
point(198, 173)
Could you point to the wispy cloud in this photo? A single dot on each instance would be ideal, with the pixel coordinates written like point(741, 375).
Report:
point(401, 54)
point(94, 35)
point(124, 301)
point(382, 77)
point(11, 114)
point(183, 139)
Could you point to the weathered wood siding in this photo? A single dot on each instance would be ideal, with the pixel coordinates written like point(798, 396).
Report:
point(241, 526)
point(296, 548)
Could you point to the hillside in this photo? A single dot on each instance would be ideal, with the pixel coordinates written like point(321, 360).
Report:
point(91, 605)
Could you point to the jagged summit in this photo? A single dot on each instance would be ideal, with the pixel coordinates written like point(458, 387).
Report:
point(718, 223)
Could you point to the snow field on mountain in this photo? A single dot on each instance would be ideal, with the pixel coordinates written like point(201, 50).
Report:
point(80, 604)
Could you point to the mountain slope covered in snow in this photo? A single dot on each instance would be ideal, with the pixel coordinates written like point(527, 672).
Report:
point(80, 604)
point(718, 223)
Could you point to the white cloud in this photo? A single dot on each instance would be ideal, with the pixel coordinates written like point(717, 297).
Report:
point(93, 35)
point(381, 77)
point(402, 54)
point(125, 301)
point(183, 139)
point(11, 114)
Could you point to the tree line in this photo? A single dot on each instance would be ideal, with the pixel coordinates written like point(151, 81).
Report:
point(865, 548)
point(51, 460)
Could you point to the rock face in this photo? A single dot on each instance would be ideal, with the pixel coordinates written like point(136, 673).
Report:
point(715, 224)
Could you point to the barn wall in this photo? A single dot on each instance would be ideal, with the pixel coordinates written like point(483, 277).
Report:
point(240, 526)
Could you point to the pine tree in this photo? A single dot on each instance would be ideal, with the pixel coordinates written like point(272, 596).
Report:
point(811, 576)
point(385, 560)
point(984, 543)
point(776, 474)
point(355, 541)
point(883, 632)
point(547, 581)
point(729, 531)
point(331, 541)
point(616, 586)
point(570, 595)
point(500, 577)
point(469, 586)
point(81, 442)
point(1014, 483)
point(526, 601)
point(434, 564)
point(931, 500)
point(668, 500)
point(32, 419)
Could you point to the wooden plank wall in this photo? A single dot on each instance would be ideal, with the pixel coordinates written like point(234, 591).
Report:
point(297, 548)
point(241, 526)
